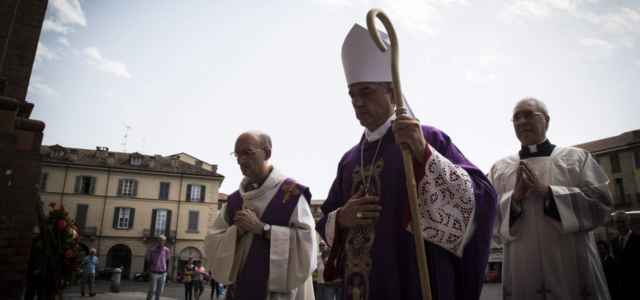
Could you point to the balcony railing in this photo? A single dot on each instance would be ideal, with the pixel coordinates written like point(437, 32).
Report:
point(148, 235)
point(88, 231)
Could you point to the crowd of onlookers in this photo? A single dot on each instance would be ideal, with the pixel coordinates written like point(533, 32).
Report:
point(620, 258)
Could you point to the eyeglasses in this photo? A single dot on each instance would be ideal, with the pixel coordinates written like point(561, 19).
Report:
point(245, 153)
point(525, 116)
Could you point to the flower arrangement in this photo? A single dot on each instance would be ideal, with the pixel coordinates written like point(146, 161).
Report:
point(58, 242)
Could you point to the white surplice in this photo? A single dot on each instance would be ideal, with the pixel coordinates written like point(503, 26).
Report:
point(545, 258)
point(293, 249)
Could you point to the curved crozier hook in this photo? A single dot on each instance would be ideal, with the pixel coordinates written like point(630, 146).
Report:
point(393, 39)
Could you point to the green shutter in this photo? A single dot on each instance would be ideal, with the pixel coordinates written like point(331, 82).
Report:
point(116, 213)
point(120, 185)
point(135, 188)
point(78, 186)
point(81, 215)
point(167, 231)
point(43, 182)
point(153, 222)
point(132, 216)
point(202, 193)
point(92, 188)
point(188, 193)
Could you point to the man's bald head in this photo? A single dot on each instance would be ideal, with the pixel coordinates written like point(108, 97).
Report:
point(252, 151)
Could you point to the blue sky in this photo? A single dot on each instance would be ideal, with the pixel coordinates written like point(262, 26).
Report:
point(190, 76)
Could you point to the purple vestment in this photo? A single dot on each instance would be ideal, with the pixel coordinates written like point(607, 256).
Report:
point(392, 271)
point(252, 281)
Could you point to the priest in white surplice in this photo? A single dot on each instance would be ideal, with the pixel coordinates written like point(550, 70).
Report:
point(263, 241)
point(550, 200)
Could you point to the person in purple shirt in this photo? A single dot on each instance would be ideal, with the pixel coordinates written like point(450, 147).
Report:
point(157, 259)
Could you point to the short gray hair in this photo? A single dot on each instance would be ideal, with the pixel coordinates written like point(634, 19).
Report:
point(539, 104)
point(263, 138)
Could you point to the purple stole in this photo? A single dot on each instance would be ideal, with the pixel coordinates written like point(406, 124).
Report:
point(252, 281)
point(379, 261)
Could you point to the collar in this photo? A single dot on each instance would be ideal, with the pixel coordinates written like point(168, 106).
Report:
point(272, 181)
point(543, 149)
point(380, 131)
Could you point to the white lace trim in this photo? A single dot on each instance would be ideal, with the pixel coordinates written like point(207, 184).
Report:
point(446, 204)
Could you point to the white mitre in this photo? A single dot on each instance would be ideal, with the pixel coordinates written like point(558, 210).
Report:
point(364, 62)
point(362, 59)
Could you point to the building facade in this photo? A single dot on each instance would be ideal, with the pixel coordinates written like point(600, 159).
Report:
point(122, 201)
point(619, 157)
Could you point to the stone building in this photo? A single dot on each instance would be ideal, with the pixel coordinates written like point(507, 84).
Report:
point(20, 139)
point(121, 201)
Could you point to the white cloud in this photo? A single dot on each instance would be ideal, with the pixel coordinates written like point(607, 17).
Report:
point(69, 12)
point(420, 15)
point(44, 53)
point(622, 20)
point(106, 65)
point(637, 63)
point(64, 41)
point(597, 43)
point(41, 89)
point(337, 3)
point(55, 26)
point(479, 78)
point(482, 68)
point(517, 9)
point(65, 15)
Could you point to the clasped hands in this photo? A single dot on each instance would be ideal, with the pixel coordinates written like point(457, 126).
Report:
point(247, 221)
point(527, 183)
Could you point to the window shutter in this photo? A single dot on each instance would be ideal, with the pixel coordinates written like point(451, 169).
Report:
point(188, 192)
point(195, 223)
point(81, 215)
point(167, 231)
point(202, 193)
point(153, 222)
point(132, 215)
point(92, 189)
point(120, 186)
point(78, 186)
point(43, 182)
point(116, 213)
point(135, 188)
point(164, 190)
point(193, 220)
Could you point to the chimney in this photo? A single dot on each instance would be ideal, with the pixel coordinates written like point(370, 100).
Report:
point(102, 152)
point(73, 155)
point(174, 162)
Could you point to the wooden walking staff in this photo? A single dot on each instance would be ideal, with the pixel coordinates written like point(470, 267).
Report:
point(406, 154)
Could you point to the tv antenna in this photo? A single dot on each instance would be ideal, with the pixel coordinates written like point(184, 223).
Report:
point(125, 138)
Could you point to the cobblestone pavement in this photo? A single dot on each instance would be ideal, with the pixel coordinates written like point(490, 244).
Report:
point(130, 290)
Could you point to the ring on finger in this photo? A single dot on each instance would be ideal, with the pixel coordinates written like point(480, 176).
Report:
point(359, 215)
